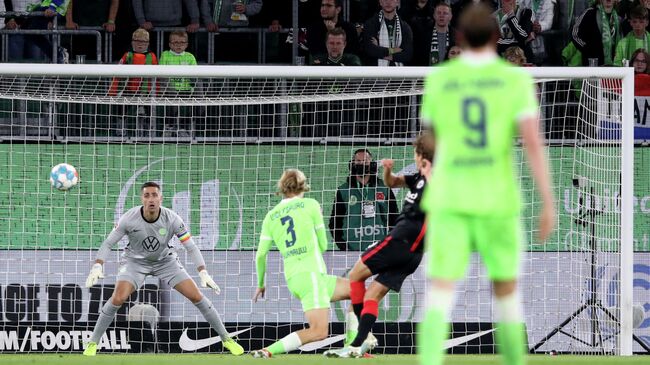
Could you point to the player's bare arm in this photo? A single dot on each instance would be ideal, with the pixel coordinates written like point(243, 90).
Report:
point(529, 129)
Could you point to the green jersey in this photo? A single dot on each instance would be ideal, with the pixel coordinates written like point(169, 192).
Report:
point(177, 59)
point(473, 106)
point(296, 227)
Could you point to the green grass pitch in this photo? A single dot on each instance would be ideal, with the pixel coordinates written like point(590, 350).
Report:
point(164, 359)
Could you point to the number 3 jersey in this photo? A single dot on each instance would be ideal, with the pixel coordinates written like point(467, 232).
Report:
point(296, 227)
point(147, 240)
point(473, 106)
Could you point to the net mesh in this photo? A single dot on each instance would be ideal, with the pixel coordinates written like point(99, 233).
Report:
point(217, 148)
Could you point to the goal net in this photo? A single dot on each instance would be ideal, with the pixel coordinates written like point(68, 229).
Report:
point(217, 140)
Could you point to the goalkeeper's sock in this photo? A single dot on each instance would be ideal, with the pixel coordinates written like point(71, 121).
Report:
point(106, 315)
point(510, 333)
point(368, 318)
point(210, 314)
point(287, 344)
point(433, 331)
point(357, 292)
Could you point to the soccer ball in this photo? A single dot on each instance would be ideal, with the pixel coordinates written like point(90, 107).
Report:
point(64, 176)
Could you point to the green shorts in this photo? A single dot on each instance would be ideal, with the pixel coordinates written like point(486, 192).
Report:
point(451, 238)
point(313, 289)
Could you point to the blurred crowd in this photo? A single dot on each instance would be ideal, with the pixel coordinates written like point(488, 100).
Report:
point(331, 32)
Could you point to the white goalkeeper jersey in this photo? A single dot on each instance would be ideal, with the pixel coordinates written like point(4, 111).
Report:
point(147, 240)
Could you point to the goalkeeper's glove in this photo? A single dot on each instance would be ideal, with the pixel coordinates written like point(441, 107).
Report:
point(96, 273)
point(206, 281)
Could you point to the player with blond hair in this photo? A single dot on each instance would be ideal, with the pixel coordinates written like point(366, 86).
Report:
point(296, 227)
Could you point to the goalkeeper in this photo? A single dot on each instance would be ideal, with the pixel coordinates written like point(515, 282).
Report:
point(149, 228)
point(296, 227)
point(475, 107)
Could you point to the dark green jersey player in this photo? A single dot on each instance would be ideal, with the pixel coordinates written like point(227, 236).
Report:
point(475, 107)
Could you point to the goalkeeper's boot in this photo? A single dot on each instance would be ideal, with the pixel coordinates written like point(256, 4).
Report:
point(344, 353)
point(349, 337)
point(233, 347)
point(91, 349)
point(261, 354)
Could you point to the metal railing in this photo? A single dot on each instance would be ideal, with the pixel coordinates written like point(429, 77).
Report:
point(104, 40)
point(260, 32)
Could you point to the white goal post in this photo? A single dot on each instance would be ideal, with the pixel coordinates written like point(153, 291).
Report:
point(218, 149)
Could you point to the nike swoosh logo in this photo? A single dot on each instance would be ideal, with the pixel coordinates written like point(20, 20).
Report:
point(464, 339)
point(188, 344)
point(322, 343)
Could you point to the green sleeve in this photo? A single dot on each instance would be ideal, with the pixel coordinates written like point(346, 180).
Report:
point(620, 52)
point(319, 226)
point(164, 58)
point(262, 250)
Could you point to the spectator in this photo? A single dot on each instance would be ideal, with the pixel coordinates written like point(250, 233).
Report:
point(336, 56)
point(454, 51)
point(568, 13)
point(177, 119)
point(165, 13)
point(125, 25)
point(624, 7)
point(515, 55)
point(596, 33)
point(542, 17)
point(433, 41)
point(177, 55)
point(130, 118)
point(331, 17)
point(40, 46)
point(640, 60)
point(364, 209)
point(416, 11)
point(387, 39)
point(140, 55)
point(515, 25)
point(419, 15)
point(17, 51)
point(639, 37)
point(276, 17)
point(231, 13)
point(90, 13)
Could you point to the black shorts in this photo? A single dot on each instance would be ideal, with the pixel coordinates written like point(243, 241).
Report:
point(397, 256)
